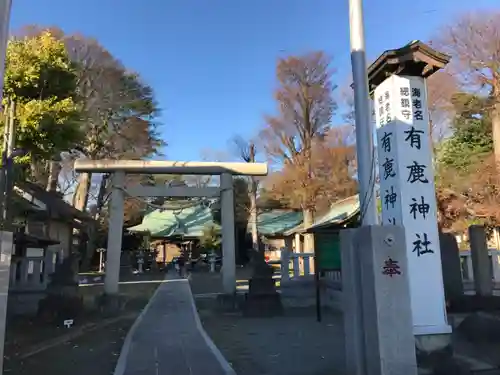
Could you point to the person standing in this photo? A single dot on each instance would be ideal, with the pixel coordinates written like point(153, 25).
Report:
point(181, 262)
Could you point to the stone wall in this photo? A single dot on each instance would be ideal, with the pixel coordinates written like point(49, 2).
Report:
point(301, 292)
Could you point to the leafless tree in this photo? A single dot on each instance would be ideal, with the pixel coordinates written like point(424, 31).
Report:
point(247, 151)
point(440, 90)
point(473, 42)
point(333, 170)
point(304, 113)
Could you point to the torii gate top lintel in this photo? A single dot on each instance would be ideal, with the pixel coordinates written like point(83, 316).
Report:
point(170, 167)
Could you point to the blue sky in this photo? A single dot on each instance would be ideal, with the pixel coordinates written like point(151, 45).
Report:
point(212, 62)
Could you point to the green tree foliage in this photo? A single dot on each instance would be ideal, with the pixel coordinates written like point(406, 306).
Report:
point(41, 80)
point(471, 140)
point(211, 239)
point(118, 108)
point(467, 181)
point(266, 200)
point(48, 127)
point(38, 67)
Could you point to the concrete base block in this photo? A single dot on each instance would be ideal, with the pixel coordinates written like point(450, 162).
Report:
point(229, 303)
point(24, 304)
point(111, 304)
point(481, 328)
point(331, 298)
point(474, 303)
point(299, 292)
point(432, 350)
point(263, 305)
point(450, 366)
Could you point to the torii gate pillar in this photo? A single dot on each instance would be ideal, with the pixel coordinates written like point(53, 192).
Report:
point(115, 231)
point(228, 234)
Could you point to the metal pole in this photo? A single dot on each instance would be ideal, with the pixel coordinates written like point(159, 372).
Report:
point(364, 131)
point(5, 7)
point(317, 284)
point(9, 169)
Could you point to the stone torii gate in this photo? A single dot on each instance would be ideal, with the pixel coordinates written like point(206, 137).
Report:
point(119, 168)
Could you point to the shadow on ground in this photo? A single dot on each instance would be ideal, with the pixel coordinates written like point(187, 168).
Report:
point(91, 346)
point(293, 344)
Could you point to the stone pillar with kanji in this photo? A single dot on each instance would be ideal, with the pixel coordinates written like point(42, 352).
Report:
point(407, 193)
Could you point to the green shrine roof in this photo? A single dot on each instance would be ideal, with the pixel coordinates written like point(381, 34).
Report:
point(338, 213)
point(188, 222)
point(276, 222)
point(191, 221)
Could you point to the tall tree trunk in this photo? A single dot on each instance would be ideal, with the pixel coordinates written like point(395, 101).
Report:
point(253, 214)
point(92, 232)
point(308, 214)
point(495, 122)
point(308, 237)
point(54, 170)
point(81, 197)
point(252, 151)
point(39, 172)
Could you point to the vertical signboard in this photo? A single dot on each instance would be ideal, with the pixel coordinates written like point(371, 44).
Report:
point(407, 193)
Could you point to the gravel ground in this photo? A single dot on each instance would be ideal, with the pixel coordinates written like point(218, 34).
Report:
point(92, 352)
point(294, 344)
point(204, 282)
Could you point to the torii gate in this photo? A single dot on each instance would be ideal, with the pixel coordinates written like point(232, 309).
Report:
point(119, 168)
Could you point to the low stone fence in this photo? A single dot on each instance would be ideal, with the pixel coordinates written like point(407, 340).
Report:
point(298, 282)
point(468, 273)
point(29, 277)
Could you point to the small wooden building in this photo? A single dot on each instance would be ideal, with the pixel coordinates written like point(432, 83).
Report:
point(47, 229)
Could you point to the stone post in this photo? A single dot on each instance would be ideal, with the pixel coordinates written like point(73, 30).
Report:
point(452, 269)
point(296, 266)
point(228, 234)
point(380, 339)
point(352, 305)
point(37, 269)
point(285, 264)
point(495, 260)
point(468, 266)
point(307, 264)
point(115, 232)
point(298, 243)
point(211, 260)
point(6, 248)
point(481, 263)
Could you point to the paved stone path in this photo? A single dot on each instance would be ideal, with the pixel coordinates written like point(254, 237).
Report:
point(168, 338)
